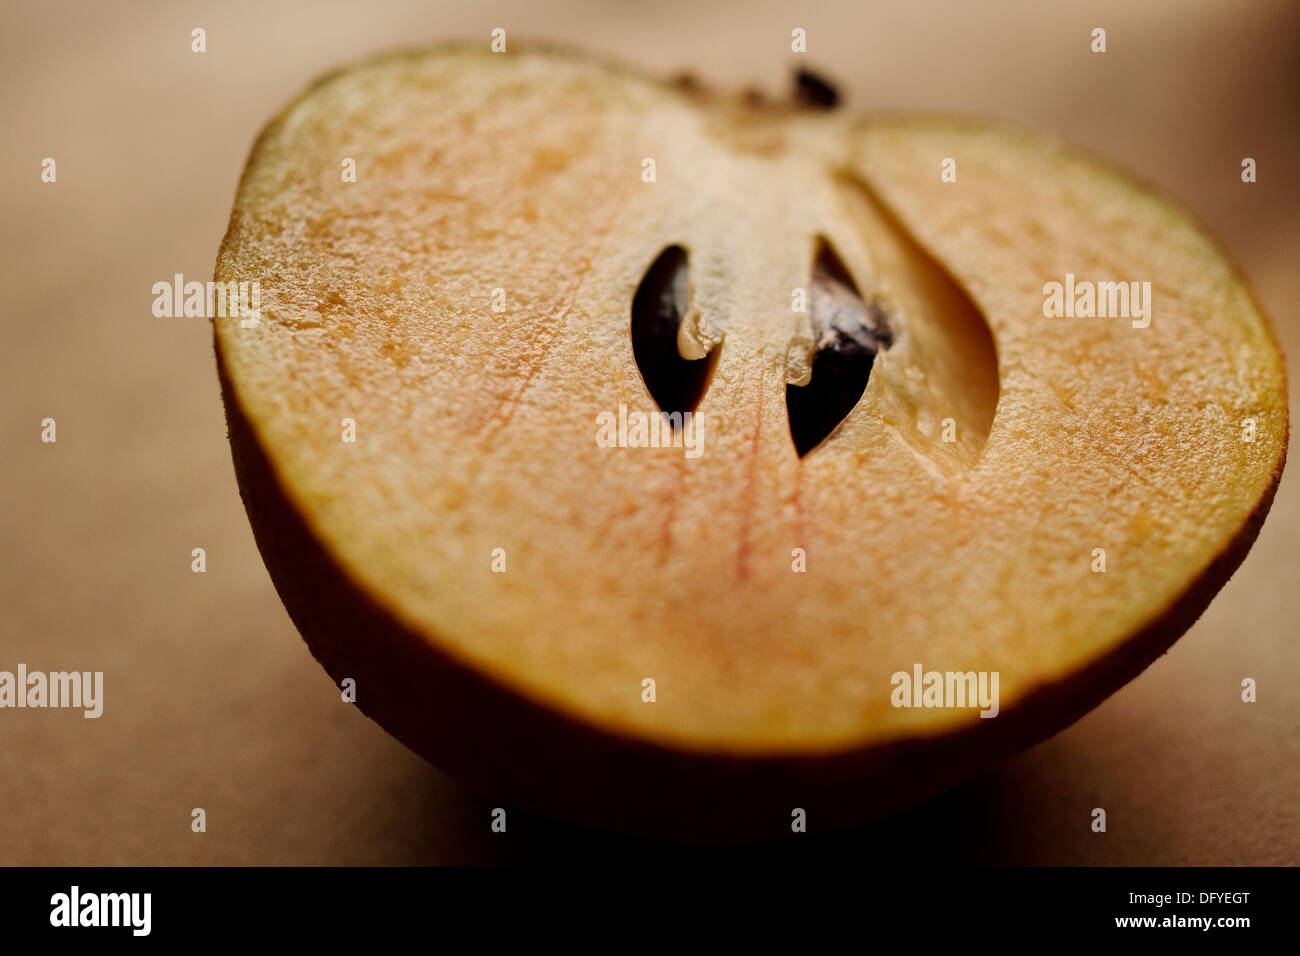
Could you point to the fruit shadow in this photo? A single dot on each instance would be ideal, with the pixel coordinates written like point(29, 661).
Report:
point(977, 823)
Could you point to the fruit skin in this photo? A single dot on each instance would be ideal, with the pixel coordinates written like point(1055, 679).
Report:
point(506, 747)
point(524, 754)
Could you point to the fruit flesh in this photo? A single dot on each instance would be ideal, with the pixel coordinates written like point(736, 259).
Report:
point(522, 172)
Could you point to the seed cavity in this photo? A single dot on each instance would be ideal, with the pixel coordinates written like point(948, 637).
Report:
point(672, 347)
point(847, 333)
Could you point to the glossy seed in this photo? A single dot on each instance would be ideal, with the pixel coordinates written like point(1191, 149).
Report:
point(662, 299)
point(847, 335)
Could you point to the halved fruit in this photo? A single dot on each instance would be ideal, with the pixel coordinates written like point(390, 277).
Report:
point(699, 643)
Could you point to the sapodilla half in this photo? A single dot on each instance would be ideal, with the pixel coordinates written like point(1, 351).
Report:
point(697, 641)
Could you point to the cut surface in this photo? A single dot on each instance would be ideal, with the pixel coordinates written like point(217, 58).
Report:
point(520, 179)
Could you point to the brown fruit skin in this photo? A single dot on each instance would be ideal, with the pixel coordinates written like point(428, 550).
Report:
point(527, 756)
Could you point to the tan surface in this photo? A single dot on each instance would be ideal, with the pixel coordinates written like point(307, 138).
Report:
point(211, 698)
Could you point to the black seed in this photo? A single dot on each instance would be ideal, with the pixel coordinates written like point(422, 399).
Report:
point(813, 91)
point(676, 384)
point(847, 334)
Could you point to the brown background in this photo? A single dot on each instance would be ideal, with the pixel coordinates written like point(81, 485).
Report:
point(212, 699)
